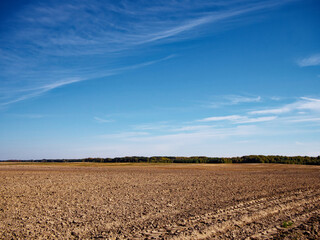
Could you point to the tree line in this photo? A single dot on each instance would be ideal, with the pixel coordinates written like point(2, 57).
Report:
point(306, 160)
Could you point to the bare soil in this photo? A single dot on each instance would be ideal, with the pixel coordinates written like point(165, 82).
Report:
point(160, 201)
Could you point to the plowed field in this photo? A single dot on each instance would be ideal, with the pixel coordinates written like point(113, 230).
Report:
point(160, 201)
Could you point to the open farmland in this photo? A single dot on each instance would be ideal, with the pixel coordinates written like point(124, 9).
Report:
point(160, 201)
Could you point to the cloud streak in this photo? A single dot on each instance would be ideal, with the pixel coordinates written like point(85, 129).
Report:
point(220, 118)
point(313, 60)
point(46, 44)
point(39, 90)
point(237, 119)
point(102, 120)
point(211, 134)
point(230, 100)
point(305, 103)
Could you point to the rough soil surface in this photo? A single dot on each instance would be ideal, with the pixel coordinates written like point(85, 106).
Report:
point(161, 201)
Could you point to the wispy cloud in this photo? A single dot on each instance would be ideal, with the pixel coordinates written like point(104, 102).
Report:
point(256, 120)
point(183, 136)
point(152, 126)
point(243, 99)
point(21, 94)
point(313, 60)
point(229, 100)
point(124, 135)
point(93, 24)
point(46, 44)
point(192, 128)
point(213, 136)
point(284, 109)
point(28, 115)
point(238, 119)
point(102, 120)
point(220, 118)
point(304, 119)
point(304, 103)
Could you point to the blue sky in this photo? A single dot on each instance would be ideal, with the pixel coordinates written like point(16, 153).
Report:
point(184, 78)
